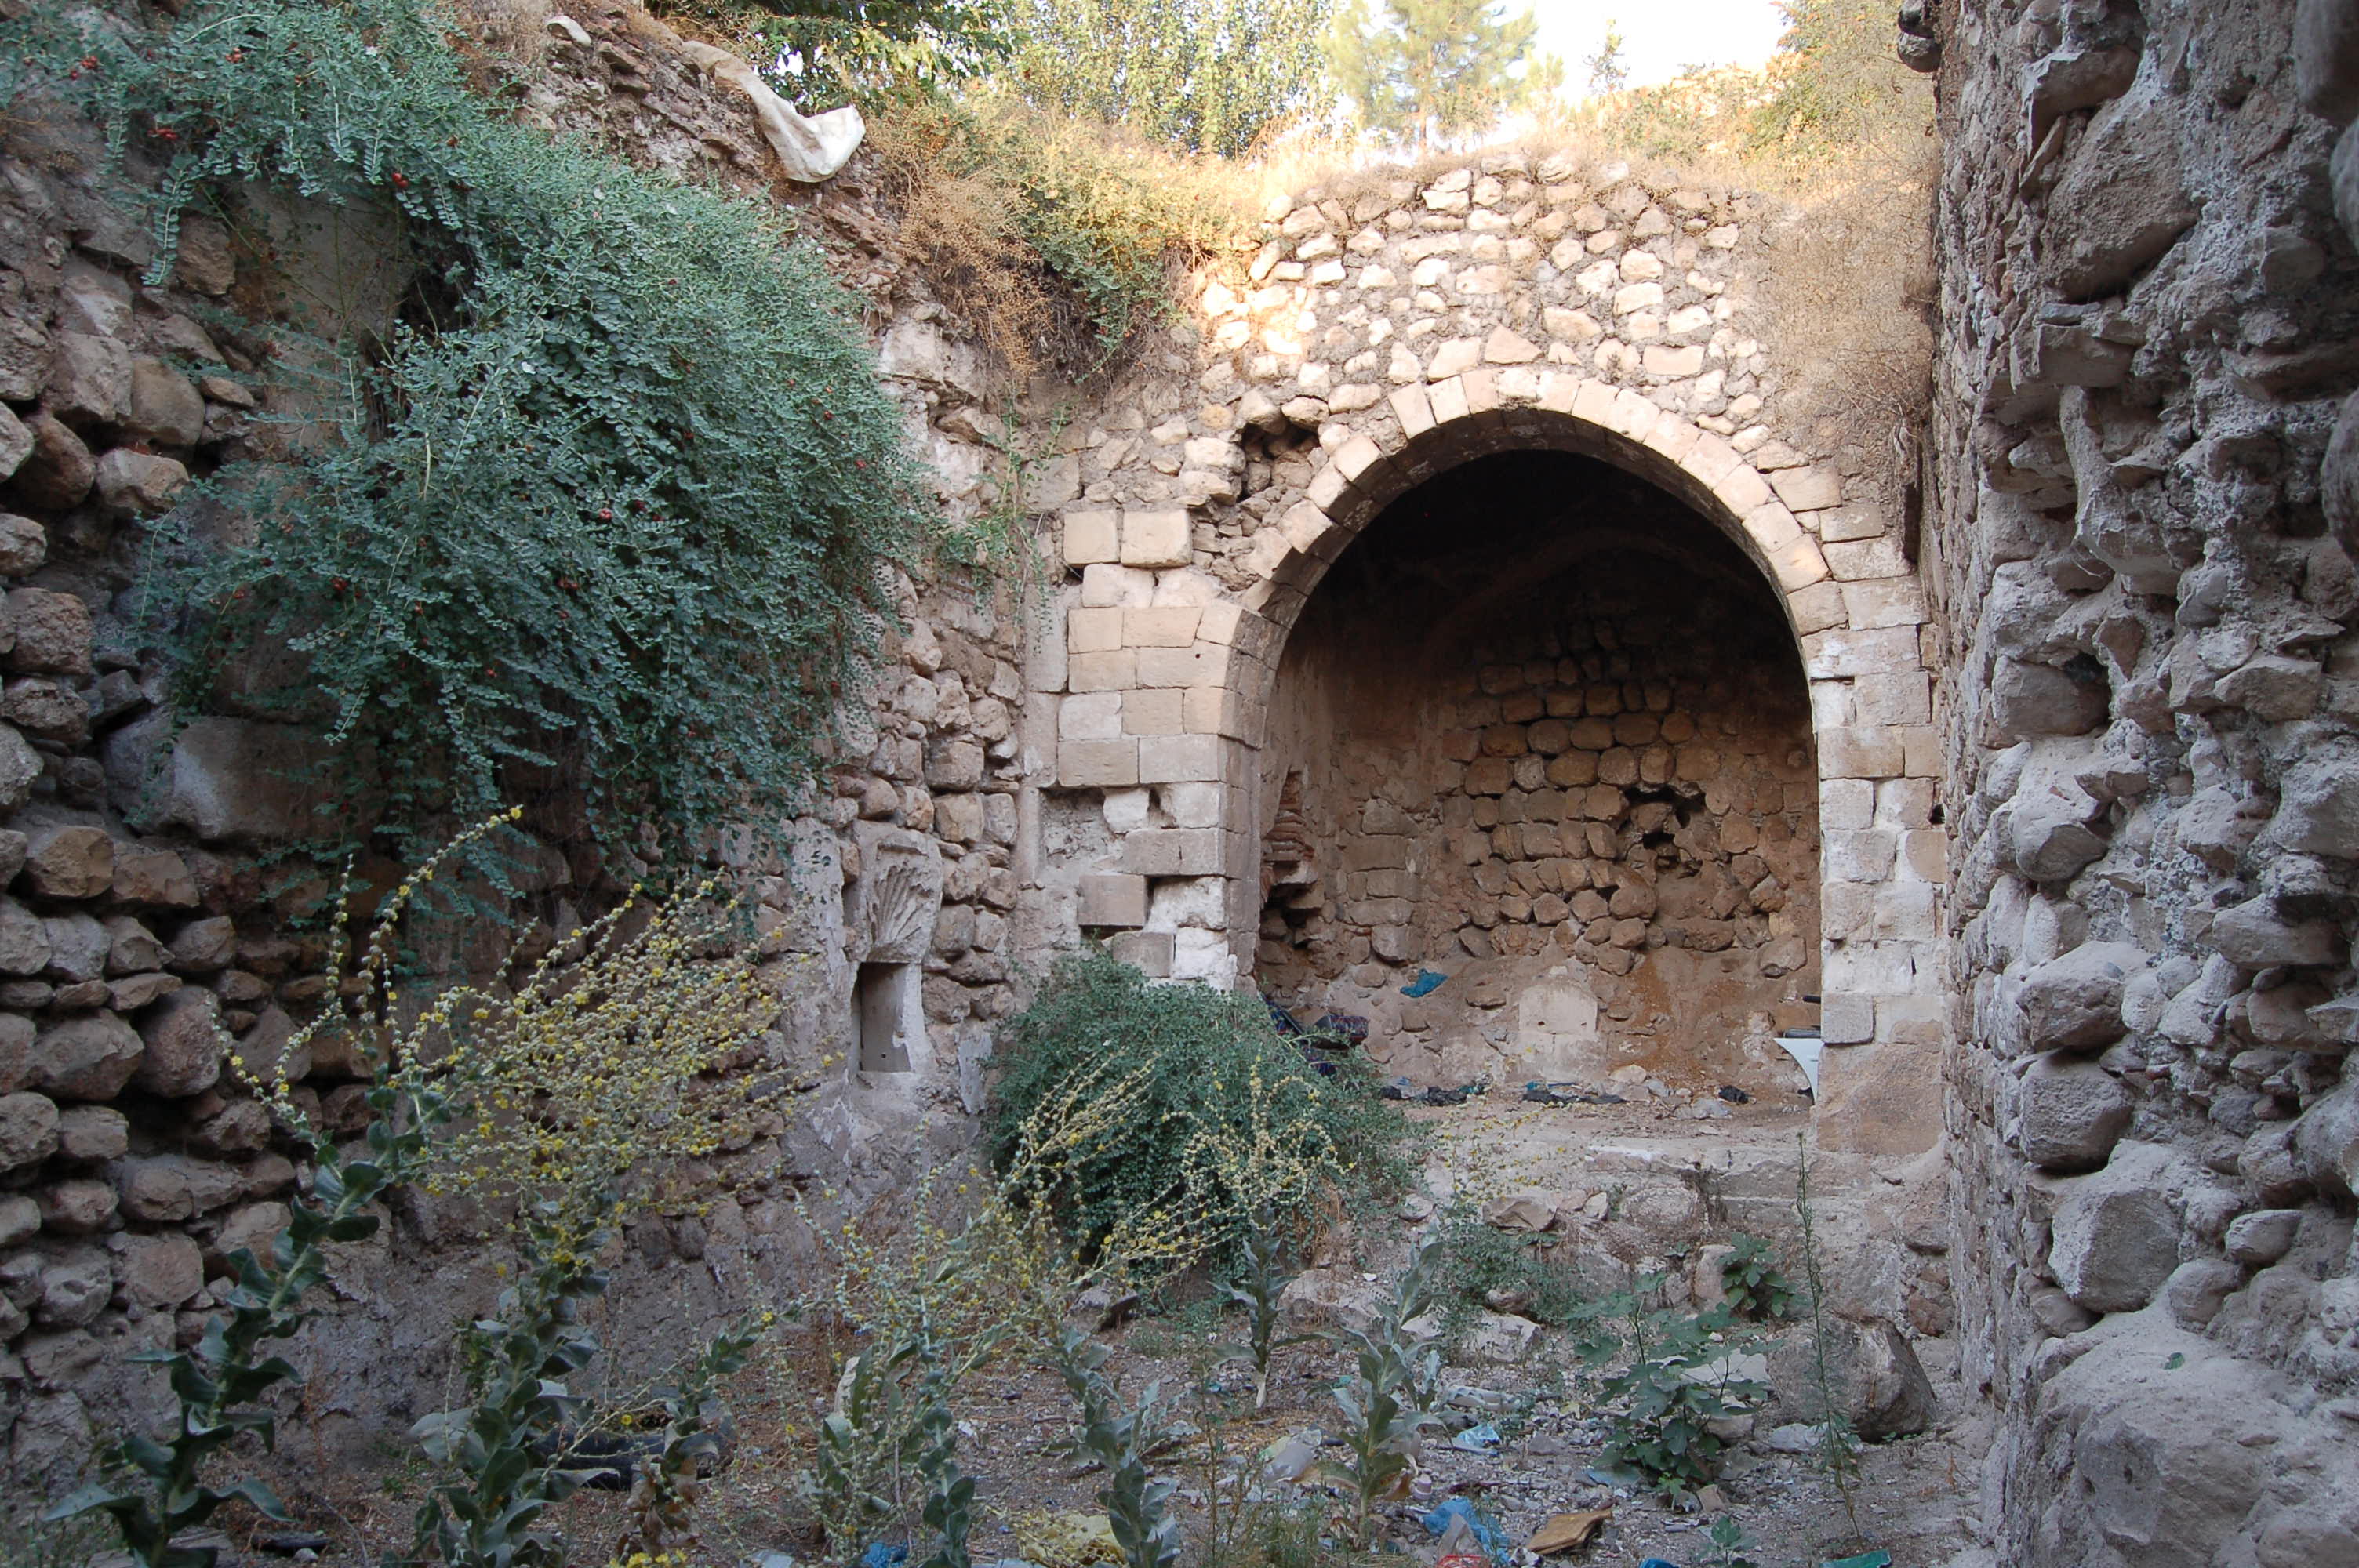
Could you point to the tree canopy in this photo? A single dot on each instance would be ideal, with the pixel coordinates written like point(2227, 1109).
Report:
point(1432, 71)
point(1211, 76)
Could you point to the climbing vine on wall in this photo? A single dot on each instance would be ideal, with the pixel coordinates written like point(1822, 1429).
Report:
point(600, 514)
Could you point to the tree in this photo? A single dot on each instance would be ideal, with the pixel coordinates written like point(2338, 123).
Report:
point(823, 53)
point(1432, 71)
point(1212, 76)
point(1608, 71)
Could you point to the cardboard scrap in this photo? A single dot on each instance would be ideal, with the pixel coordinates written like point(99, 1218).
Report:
point(1562, 1532)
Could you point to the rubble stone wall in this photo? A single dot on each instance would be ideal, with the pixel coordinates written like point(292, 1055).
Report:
point(148, 883)
point(2147, 308)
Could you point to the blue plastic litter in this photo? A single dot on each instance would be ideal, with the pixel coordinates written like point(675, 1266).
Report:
point(1428, 980)
point(1487, 1536)
point(1482, 1439)
point(880, 1556)
point(1864, 1560)
point(1656, 1563)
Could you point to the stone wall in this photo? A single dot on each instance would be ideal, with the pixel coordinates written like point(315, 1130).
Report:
point(1391, 328)
point(2145, 310)
point(148, 887)
point(1544, 735)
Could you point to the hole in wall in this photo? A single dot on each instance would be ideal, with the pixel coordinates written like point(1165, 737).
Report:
point(877, 997)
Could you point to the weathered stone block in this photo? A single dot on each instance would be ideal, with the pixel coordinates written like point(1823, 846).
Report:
point(1116, 671)
point(2116, 1233)
point(1867, 1372)
point(1170, 627)
point(1107, 587)
point(1173, 852)
point(28, 1130)
point(2254, 936)
point(234, 779)
point(2069, 1113)
point(1097, 764)
point(1093, 631)
point(1859, 754)
point(69, 862)
point(1156, 540)
point(1171, 759)
point(1196, 666)
point(86, 1058)
point(2121, 201)
point(1108, 900)
point(1807, 488)
point(2073, 1002)
point(1093, 536)
point(1149, 952)
point(1155, 710)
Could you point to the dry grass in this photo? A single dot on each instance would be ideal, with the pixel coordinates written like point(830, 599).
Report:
point(1053, 237)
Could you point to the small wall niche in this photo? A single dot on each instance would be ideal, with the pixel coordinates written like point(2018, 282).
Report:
point(879, 997)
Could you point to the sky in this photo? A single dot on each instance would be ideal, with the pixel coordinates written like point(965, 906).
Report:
point(1661, 37)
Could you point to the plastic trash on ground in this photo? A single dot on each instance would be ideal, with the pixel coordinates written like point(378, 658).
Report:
point(1864, 1560)
point(1482, 1439)
point(1426, 983)
point(1465, 1532)
point(882, 1554)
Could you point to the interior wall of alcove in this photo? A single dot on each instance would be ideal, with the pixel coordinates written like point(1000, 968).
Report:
point(1543, 730)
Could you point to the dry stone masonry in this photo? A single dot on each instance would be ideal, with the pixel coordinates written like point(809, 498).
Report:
point(2146, 312)
point(1459, 593)
point(147, 888)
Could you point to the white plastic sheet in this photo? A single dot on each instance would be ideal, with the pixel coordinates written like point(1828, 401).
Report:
point(810, 146)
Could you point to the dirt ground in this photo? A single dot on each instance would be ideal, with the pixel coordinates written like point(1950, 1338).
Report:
point(1912, 1498)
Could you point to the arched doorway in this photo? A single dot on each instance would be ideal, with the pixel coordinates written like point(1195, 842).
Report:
point(1170, 869)
point(1539, 751)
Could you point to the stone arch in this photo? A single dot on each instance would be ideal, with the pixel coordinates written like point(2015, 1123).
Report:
point(1882, 857)
point(1456, 420)
point(1189, 884)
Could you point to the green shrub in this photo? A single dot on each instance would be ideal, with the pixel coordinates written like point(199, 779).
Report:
point(1226, 1118)
point(1750, 1278)
point(1666, 1378)
point(1472, 1261)
point(600, 515)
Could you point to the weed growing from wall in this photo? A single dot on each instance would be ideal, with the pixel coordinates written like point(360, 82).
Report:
point(599, 517)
